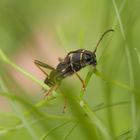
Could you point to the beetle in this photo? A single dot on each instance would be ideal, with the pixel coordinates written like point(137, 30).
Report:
point(71, 64)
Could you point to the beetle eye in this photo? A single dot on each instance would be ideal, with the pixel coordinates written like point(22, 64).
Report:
point(87, 57)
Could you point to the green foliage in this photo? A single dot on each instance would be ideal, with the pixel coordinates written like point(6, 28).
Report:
point(110, 108)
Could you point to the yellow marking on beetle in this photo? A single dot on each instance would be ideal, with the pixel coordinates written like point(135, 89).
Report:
point(81, 55)
point(71, 61)
point(71, 57)
point(63, 70)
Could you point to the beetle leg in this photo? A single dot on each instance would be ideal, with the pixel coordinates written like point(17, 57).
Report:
point(65, 103)
point(40, 64)
point(49, 92)
point(82, 81)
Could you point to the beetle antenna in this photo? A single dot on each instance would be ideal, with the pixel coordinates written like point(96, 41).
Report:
point(109, 30)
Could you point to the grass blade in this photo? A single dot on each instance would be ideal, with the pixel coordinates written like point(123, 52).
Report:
point(130, 68)
point(53, 129)
point(68, 134)
point(20, 115)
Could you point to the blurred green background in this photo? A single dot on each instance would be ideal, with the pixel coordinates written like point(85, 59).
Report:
point(49, 29)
